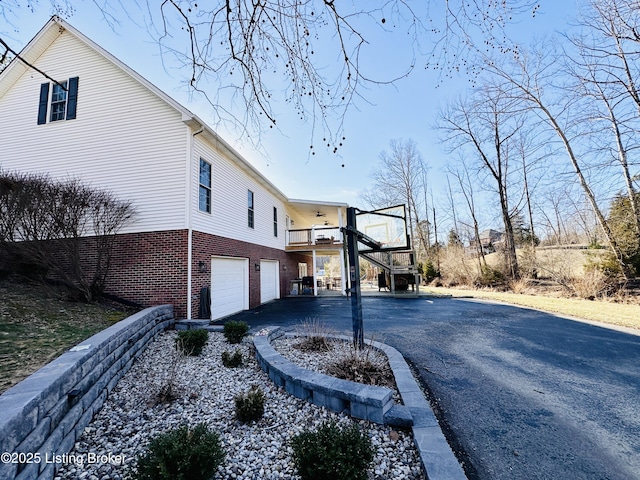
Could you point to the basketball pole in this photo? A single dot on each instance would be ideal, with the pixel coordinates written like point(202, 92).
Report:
point(354, 276)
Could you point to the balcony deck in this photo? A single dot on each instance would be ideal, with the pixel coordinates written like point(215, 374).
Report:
point(323, 238)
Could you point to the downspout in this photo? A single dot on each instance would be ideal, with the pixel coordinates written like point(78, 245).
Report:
point(189, 219)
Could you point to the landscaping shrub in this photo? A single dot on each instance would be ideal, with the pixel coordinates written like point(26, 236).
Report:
point(489, 277)
point(519, 285)
point(333, 452)
point(366, 365)
point(232, 361)
point(181, 454)
point(316, 336)
point(428, 271)
point(456, 267)
point(234, 331)
point(191, 342)
point(593, 284)
point(250, 405)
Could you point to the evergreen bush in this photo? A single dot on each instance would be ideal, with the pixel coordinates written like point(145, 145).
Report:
point(234, 331)
point(181, 454)
point(191, 342)
point(333, 452)
point(429, 271)
point(232, 361)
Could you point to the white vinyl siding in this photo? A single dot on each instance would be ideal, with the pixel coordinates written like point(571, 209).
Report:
point(229, 217)
point(124, 139)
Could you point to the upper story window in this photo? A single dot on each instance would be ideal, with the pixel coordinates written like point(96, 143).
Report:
point(204, 190)
point(275, 222)
point(250, 212)
point(58, 101)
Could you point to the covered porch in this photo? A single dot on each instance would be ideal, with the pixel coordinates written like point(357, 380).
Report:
point(313, 228)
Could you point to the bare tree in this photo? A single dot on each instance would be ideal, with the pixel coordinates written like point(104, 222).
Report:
point(531, 76)
point(311, 53)
point(64, 230)
point(399, 179)
point(486, 124)
point(552, 208)
point(607, 71)
point(463, 177)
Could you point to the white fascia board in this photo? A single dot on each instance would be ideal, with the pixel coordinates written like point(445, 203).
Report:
point(30, 53)
point(318, 202)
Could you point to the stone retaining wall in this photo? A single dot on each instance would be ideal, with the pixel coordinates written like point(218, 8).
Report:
point(43, 415)
point(361, 401)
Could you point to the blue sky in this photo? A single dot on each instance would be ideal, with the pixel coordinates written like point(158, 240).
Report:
point(406, 109)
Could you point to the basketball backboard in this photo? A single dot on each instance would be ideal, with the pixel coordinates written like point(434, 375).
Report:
point(388, 226)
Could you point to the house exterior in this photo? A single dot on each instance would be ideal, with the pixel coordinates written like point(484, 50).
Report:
point(205, 216)
point(490, 240)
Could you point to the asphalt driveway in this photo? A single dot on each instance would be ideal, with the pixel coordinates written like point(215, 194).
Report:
point(522, 394)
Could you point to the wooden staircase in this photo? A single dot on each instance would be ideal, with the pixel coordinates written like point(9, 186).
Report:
point(399, 266)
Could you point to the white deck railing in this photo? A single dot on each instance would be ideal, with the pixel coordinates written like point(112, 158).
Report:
point(314, 236)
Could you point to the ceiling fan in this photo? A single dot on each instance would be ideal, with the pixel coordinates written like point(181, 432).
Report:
point(320, 214)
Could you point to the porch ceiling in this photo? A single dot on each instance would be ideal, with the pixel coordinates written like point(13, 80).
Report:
point(316, 213)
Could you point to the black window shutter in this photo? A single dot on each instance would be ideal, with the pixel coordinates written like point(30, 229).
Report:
point(72, 98)
point(44, 100)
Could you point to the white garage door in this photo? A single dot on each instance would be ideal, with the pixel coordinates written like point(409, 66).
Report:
point(229, 286)
point(269, 280)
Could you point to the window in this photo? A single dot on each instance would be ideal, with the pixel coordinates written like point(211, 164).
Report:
point(275, 222)
point(204, 192)
point(58, 101)
point(250, 208)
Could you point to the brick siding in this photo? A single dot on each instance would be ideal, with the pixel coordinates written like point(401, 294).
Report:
point(205, 245)
point(151, 268)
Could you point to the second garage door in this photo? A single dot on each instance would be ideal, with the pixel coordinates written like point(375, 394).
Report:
point(229, 286)
point(269, 280)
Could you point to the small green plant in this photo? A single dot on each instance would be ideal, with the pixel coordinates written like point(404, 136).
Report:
point(234, 331)
point(250, 405)
point(333, 452)
point(181, 454)
point(232, 361)
point(489, 277)
point(191, 342)
point(428, 270)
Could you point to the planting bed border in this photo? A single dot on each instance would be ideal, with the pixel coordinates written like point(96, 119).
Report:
point(367, 402)
point(46, 413)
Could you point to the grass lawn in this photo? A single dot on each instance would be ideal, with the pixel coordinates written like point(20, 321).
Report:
point(36, 326)
point(621, 314)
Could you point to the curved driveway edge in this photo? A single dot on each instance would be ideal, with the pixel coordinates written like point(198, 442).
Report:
point(438, 460)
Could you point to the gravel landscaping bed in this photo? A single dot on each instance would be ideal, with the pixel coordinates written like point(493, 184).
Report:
point(319, 361)
point(259, 450)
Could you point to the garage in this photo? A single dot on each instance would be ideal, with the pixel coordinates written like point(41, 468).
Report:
point(269, 280)
point(229, 286)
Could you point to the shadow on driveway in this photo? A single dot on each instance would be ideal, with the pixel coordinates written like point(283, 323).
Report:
point(525, 394)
